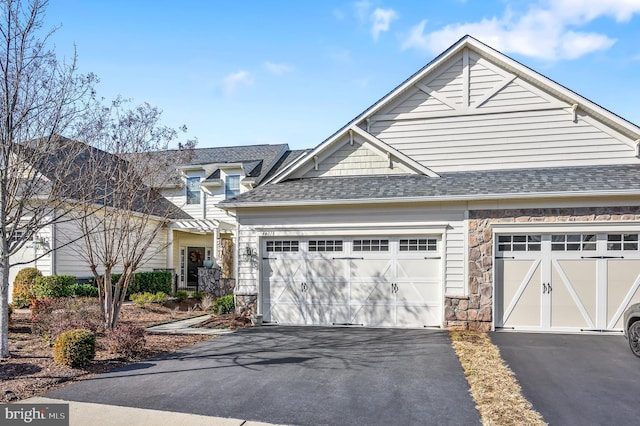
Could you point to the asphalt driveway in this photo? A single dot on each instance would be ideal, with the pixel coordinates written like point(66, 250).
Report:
point(299, 375)
point(575, 379)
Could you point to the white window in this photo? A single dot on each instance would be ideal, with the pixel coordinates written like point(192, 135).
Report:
point(626, 242)
point(573, 242)
point(519, 242)
point(282, 246)
point(232, 186)
point(325, 245)
point(419, 244)
point(193, 190)
point(370, 245)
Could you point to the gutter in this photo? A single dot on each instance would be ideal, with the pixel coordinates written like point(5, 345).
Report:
point(443, 198)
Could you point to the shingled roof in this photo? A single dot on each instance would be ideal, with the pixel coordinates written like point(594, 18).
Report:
point(492, 184)
point(82, 169)
point(257, 160)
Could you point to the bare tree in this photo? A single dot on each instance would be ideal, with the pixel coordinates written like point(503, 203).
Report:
point(123, 222)
point(40, 98)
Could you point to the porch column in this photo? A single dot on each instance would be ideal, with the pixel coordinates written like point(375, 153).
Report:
point(169, 248)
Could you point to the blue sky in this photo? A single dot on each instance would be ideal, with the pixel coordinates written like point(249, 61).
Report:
point(258, 71)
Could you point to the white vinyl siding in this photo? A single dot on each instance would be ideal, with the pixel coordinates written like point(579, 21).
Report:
point(70, 262)
point(547, 138)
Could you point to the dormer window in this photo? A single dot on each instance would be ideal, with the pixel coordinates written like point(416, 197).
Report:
point(232, 186)
point(193, 190)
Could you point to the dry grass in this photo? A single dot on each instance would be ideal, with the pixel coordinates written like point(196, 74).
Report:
point(494, 388)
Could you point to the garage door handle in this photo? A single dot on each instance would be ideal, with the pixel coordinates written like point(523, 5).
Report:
point(435, 257)
point(544, 288)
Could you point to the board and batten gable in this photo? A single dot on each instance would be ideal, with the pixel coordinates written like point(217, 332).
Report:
point(444, 220)
point(352, 156)
point(472, 114)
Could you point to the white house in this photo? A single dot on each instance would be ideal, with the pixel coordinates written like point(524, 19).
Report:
point(197, 229)
point(478, 193)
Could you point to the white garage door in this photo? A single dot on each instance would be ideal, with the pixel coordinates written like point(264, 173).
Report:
point(370, 281)
point(566, 282)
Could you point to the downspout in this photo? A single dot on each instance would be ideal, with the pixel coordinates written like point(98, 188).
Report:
point(54, 243)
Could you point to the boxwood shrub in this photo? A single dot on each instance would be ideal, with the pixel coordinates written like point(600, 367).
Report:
point(54, 286)
point(150, 282)
point(75, 348)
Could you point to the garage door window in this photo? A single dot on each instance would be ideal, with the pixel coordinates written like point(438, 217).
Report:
point(573, 242)
point(519, 242)
point(626, 242)
point(370, 245)
point(325, 245)
point(282, 246)
point(421, 244)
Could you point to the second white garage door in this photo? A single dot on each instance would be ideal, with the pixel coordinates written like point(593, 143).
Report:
point(370, 281)
point(566, 282)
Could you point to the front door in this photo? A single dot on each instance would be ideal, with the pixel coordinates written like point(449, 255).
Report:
point(195, 259)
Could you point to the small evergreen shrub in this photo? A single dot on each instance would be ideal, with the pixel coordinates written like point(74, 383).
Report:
point(75, 348)
point(224, 305)
point(83, 290)
point(181, 295)
point(198, 295)
point(54, 286)
point(23, 287)
point(125, 340)
point(141, 299)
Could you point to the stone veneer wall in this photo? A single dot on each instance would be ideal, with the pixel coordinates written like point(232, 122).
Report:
point(475, 311)
point(246, 304)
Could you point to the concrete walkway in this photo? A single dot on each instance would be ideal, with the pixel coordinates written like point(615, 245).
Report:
point(89, 414)
point(186, 327)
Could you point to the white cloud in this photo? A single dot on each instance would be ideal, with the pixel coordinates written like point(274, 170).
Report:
point(381, 20)
point(277, 69)
point(547, 30)
point(236, 79)
point(362, 8)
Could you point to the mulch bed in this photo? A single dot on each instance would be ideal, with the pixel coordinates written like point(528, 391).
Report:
point(31, 370)
point(227, 321)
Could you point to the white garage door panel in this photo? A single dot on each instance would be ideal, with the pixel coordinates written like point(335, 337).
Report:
point(375, 284)
point(623, 276)
point(574, 293)
point(521, 293)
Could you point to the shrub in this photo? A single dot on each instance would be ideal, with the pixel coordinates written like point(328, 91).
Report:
point(181, 295)
point(54, 286)
point(224, 305)
point(52, 317)
point(23, 287)
point(151, 282)
point(83, 290)
point(75, 348)
point(141, 299)
point(125, 340)
point(198, 295)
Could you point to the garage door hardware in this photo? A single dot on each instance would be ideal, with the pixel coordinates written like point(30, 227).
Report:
point(394, 288)
point(505, 257)
point(546, 288)
point(601, 257)
point(346, 324)
point(303, 286)
point(347, 258)
point(436, 257)
point(600, 330)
